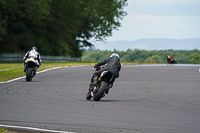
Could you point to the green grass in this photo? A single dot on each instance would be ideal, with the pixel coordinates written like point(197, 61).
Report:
point(13, 70)
point(2, 130)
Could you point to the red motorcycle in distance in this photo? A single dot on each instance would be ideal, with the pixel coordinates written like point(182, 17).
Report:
point(171, 60)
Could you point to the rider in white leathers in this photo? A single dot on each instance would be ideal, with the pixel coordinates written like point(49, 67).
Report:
point(33, 53)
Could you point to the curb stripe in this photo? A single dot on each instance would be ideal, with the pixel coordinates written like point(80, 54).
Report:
point(33, 129)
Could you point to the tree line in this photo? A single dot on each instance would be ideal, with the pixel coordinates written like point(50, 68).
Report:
point(144, 56)
point(57, 27)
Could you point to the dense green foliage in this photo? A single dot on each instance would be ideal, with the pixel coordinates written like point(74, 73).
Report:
point(194, 58)
point(182, 56)
point(57, 27)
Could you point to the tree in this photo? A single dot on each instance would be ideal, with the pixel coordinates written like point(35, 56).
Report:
point(182, 56)
point(194, 58)
point(155, 59)
point(57, 27)
point(19, 21)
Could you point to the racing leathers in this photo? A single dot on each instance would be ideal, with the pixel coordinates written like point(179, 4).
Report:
point(171, 60)
point(113, 66)
point(33, 53)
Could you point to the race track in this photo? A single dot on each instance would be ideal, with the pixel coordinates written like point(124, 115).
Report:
point(144, 99)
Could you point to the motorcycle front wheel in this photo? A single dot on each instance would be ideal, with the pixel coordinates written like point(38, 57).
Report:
point(88, 96)
point(29, 74)
point(101, 91)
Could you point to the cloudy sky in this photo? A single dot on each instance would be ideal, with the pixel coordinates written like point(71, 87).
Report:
point(172, 19)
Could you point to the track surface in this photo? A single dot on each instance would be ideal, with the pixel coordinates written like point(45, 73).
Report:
point(149, 99)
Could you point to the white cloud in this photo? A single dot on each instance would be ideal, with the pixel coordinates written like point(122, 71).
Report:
point(149, 26)
point(173, 19)
point(163, 7)
point(160, 2)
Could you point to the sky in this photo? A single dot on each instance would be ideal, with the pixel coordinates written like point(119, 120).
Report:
point(171, 19)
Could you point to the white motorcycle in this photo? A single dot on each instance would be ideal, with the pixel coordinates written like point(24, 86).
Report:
point(31, 68)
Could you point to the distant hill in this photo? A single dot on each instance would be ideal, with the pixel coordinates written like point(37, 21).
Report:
point(151, 44)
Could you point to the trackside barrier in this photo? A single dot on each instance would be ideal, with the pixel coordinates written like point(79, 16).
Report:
point(18, 58)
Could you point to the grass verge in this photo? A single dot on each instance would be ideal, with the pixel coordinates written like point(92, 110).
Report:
point(14, 70)
point(2, 130)
point(10, 71)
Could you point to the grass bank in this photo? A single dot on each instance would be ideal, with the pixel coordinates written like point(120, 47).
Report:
point(13, 70)
point(4, 130)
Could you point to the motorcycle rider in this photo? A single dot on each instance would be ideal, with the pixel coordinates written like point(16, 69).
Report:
point(170, 59)
point(32, 53)
point(113, 66)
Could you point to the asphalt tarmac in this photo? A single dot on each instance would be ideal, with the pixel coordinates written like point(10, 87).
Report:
point(144, 99)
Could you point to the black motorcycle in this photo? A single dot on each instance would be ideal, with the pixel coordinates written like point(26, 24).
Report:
point(104, 83)
point(31, 68)
point(173, 61)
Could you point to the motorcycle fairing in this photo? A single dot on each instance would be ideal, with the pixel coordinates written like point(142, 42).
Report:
point(31, 59)
point(105, 73)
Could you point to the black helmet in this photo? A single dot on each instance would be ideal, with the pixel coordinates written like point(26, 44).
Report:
point(34, 48)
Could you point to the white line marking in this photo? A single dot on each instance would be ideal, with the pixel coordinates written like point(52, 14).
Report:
point(25, 76)
point(13, 79)
point(34, 129)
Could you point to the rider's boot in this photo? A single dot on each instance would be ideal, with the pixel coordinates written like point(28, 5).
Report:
point(90, 86)
point(108, 88)
point(95, 80)
point(25, 69)
point(34, 73)
point(92, 83)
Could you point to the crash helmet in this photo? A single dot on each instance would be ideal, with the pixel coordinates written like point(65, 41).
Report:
point(34, 48)
point(114, 54)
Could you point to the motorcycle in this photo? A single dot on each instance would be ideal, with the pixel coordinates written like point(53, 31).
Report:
point(172, 61)
point(31, 68)
point(104, 83)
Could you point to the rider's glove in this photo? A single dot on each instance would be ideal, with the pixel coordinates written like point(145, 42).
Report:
point(95, 66)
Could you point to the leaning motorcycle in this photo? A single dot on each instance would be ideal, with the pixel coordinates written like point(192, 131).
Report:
point(31, 68)
point(173, 61)
point(102, 86)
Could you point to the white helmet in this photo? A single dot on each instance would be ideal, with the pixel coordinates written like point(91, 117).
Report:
point(114, 54)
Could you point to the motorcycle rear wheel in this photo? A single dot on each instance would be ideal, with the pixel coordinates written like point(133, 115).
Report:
point(100, 92)
point(29, 74)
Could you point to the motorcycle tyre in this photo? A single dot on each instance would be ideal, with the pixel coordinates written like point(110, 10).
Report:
point(88, 96)
point(29, 74)
point(101, 91)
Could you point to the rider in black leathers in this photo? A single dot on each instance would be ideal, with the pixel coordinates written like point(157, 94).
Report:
point(113, 66)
